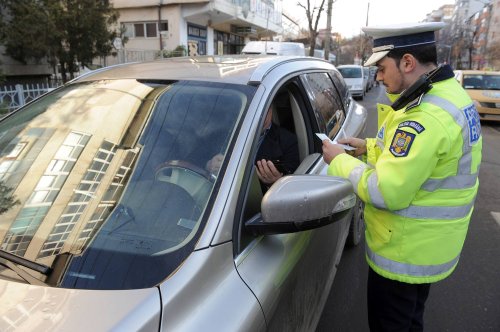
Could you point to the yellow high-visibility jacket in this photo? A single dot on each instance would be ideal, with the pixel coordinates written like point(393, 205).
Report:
point(419, 184)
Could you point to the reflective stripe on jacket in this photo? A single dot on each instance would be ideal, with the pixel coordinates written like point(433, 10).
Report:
point(419, 185)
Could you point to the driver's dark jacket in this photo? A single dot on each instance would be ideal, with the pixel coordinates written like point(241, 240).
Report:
point(280, 146)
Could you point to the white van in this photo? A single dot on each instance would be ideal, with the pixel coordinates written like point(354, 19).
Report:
point(273, 48)
point(320, 54)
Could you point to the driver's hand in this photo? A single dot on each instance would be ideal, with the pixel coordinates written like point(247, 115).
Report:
point(214, 164)
point(267, 172)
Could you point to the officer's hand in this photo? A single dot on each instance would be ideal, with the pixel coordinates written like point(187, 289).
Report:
point(330, 151)
point(267, 172)
point(358, 143)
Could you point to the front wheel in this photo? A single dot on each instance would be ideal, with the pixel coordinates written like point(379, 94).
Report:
point(357, 225)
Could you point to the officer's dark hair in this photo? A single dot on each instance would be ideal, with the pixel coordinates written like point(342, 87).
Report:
point(425, 54)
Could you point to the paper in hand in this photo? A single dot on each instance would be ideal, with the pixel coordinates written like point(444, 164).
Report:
point(322, 137)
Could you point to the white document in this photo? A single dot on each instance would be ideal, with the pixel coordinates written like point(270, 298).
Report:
point(322, 137)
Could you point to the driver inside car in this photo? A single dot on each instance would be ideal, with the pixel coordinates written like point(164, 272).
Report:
point(277, 155)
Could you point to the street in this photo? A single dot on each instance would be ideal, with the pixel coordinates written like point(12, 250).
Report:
point(468, 300)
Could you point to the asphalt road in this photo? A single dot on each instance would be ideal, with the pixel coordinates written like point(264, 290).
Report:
point(468, 300)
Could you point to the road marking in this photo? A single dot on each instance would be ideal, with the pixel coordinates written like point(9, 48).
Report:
point(496, 216)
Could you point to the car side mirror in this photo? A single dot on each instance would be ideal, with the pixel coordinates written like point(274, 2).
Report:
point(300, 202)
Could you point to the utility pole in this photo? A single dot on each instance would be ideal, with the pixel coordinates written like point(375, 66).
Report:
point(367, 12)
point(328, 30)
point(363, 38)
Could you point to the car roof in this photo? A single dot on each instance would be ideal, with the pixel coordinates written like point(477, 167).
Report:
point(347, 66)
point(239, 69)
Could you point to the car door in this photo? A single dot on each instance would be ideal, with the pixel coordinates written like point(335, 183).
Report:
point(290, 274)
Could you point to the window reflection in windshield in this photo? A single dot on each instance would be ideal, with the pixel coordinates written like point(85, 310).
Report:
point(114, 173)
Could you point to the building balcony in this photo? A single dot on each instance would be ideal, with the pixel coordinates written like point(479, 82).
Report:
point(254, 18)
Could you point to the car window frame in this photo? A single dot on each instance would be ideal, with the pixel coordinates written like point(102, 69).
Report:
point(299, 91)
point(243, 241)
point(340, 114)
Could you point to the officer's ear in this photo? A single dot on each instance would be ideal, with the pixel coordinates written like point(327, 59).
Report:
point(408, 63)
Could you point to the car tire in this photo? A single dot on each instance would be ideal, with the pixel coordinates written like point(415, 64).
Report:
point(357, 224)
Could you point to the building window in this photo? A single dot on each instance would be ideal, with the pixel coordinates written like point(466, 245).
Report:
point(197, 31)
point(109, 199)
point(79, 201)
point(44, 194)
point(151, 30)
point(197, 40)
point(138, 30)
point(227, 43)
point(144, 29)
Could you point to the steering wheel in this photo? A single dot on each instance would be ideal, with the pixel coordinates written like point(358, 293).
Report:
point(195, 180)
point(172, 165)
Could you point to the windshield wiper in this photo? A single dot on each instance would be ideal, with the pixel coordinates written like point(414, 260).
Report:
point(10, 260)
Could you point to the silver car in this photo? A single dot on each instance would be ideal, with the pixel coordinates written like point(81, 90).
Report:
point(110, 221)
point(355, 77)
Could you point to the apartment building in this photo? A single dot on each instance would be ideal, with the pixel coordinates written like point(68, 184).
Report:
point(463, 30)
point(203, 27)
point(481, 23)
point(444, 37)
point(493, 36)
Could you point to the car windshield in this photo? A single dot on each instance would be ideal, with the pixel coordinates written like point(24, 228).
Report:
point(482, 82)
point(348, 72)
point(105, 181)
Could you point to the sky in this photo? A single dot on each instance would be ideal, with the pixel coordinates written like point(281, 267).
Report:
point(348, 16)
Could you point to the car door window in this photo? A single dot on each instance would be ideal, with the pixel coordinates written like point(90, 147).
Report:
point(326, 102)
point(290, 113)
point(341, 87)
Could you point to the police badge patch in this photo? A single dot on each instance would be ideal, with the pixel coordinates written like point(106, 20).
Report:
point(401, 143)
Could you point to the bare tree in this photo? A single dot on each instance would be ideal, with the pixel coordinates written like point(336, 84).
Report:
point(313, 15)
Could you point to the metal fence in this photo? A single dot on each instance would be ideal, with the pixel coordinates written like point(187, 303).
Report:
point(13, 97)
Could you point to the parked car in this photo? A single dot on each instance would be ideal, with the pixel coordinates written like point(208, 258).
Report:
point(368, 79)
point(354, 76)
point(484, 88)
point(373, 75)
point(111, 222)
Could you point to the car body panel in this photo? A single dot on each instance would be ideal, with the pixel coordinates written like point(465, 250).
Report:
point(484, 89)
point(207, 294)
point(38, 308)
point(268, 262)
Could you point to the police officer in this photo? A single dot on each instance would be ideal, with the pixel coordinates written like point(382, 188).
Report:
point(420, 178)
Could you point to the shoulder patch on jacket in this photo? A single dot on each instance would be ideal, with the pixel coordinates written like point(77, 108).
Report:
point(412, 124)
point(401, 143)
point(474, 124)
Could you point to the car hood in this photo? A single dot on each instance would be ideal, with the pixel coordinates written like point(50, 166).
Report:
point(484, 95)
point(37, 308)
